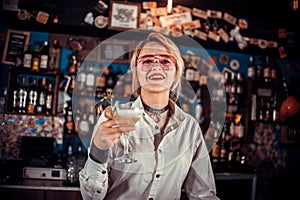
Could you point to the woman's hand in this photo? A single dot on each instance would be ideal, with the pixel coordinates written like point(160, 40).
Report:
point(111, 130)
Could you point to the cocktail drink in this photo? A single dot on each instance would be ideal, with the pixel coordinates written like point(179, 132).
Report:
point(132, 113)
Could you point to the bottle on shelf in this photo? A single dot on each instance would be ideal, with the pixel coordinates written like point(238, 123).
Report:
point(23, 95)
point(55, 51)
point(81, 77)
point(110, 79)
point(267, 71)
point(198, 111)
point(69, 124)
point(90, 78)
point(16, 100)
point(27, 58)
point(32, 95)
point(49, 98)
point(36, 57)
point(44, 57)
point(251, 69)
point(191, 73)
point(84, 126)
point(41, 104)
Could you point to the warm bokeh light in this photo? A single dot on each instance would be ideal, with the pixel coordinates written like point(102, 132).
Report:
point(169, 6)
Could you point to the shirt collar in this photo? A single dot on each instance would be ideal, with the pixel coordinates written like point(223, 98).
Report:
point(177, 113)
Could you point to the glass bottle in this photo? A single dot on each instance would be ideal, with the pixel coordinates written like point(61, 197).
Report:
point(251, 69)
point(22, 95)
point(49, 98)
point(44, 57)
point(27, 59)
point(33, 95)
point(55, 51)
point(41, 105)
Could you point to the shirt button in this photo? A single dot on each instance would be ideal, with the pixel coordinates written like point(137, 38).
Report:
point(156, 127)
point(157, 175)
point(103, 172)
point(150, 198)
point(159, 151)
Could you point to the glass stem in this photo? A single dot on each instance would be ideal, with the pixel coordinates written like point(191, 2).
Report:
point(126, 144)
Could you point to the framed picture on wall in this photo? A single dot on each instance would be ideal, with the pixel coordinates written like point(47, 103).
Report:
point(16, 43)
point(124, 15)
point(117, 51)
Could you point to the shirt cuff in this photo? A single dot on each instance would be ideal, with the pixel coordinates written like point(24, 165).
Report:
point(98, 155)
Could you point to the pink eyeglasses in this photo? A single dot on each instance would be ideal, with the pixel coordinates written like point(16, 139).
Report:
point(166, 62)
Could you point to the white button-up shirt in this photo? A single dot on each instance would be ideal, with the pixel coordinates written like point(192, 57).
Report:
point(180, 161)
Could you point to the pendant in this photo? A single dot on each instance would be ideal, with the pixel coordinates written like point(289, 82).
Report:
point(155, 117)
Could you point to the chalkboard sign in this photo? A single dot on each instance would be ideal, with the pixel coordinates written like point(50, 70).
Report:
point(115, 51)
point(15, 41)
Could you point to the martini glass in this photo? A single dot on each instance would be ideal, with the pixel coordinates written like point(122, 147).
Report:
point(132, 113)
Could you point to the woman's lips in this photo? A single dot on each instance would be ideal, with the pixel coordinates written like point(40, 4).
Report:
point(156, 77)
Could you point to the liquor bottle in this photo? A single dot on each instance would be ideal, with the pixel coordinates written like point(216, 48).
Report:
point(259, 71)
point(22, 95)
point(215, 151)
point(27, 59)
point(90, 77)
point(55, 51)
point(41, 105)
point(223, 148)
point(110, 79)
point(81, 79)
point(91, 116)
point(32, 95)
point(49, 98)
point(251, 69)
point(84, 126)
point(69, 125)
point(36, 61)
point(239, 91)
point(191, 74)
point(44, 57)
point(198, 111)
point(267, 71)
point(232, 99)
point(72, 64)
point(15, 105)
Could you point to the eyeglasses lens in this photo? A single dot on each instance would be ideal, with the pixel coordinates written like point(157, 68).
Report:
point(167, 62)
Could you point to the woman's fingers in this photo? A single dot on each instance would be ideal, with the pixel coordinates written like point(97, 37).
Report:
point(111, 130)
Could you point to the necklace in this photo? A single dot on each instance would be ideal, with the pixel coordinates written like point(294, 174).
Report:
point(155, 113)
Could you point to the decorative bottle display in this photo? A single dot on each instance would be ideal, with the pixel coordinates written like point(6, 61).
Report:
point(264, 98)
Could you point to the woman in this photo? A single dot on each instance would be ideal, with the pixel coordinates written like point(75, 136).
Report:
point(167, 142)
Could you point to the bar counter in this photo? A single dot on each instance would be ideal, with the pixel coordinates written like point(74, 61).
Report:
point(226, 183)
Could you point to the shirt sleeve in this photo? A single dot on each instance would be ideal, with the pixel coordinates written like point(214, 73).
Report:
point(93, 178)
point(200, 182)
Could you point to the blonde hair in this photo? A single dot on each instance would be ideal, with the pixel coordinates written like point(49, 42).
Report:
point(173, 50)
